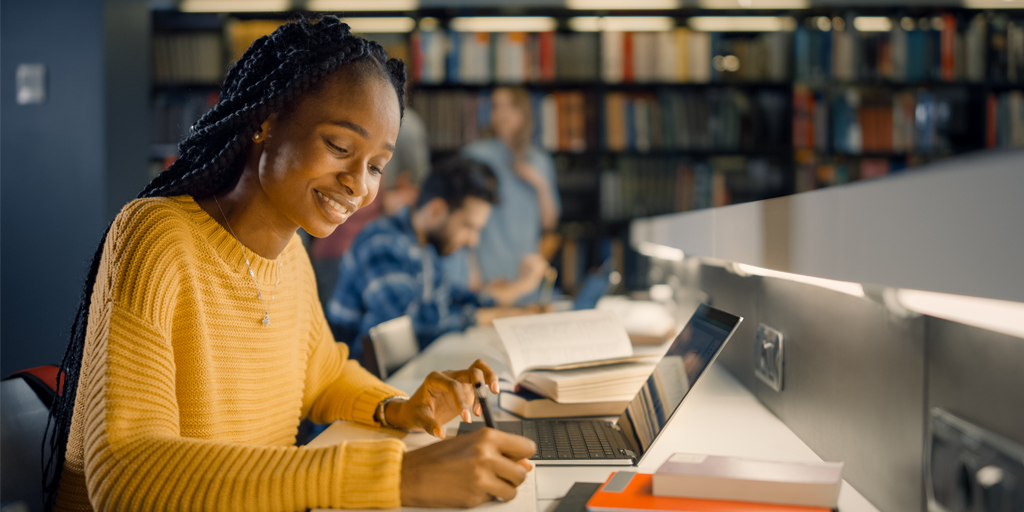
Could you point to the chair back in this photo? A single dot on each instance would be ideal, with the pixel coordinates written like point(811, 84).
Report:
point(25, 399)
point(394, 344)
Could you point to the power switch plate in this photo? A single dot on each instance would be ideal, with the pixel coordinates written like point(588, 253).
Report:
point(768, 356)
point(970, 469)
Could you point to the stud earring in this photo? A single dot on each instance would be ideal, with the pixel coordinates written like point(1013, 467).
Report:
point(257, 137)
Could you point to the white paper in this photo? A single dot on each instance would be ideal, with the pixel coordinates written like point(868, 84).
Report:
point(554, 339)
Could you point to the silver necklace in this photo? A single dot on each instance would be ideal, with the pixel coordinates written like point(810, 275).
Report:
point(259, 292)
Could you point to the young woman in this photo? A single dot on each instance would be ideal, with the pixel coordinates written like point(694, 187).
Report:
point(528, 194)
point(199, 343)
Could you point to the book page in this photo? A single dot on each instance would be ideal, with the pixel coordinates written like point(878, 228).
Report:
point(554, 339)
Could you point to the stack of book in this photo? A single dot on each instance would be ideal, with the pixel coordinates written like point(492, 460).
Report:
point(578, 363)
point(705, 483)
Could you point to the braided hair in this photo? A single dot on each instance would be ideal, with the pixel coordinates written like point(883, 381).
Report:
point(274, 71)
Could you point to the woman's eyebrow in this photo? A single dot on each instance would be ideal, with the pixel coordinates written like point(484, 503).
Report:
point(361, 131)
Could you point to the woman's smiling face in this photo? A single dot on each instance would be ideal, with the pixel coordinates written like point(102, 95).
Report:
point(322, 158)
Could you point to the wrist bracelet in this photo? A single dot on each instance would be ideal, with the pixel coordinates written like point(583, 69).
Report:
point(381, 417)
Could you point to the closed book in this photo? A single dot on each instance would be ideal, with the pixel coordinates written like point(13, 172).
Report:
point(625, 491)
point(527, 404)
point(810, 484)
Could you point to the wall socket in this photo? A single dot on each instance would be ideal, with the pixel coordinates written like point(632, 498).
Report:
point(768, 356)
point(970, 469)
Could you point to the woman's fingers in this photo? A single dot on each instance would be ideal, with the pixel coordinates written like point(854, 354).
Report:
point(490, 378)
point(509, 471)
point(460, 393)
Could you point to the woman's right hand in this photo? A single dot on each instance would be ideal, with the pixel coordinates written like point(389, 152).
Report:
point(466, 470)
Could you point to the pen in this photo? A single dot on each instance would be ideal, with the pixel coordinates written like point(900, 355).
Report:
point(481, 395)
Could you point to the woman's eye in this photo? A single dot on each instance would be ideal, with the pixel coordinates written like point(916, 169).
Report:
point(334, 147)
point(376, 170)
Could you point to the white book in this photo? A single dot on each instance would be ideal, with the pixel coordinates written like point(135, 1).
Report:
point(714, 477)
point(562, 340)
point(549, 122)
point(667, 58)
point(699, 57)
point(611, 57)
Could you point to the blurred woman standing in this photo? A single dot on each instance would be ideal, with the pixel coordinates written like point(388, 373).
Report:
point(528, 202)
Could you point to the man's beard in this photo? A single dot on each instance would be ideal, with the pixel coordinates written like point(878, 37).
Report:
point(440, 242)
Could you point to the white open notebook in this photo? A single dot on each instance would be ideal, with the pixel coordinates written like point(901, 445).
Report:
point(560, 340)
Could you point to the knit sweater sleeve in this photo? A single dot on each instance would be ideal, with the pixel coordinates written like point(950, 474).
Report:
point(135, 456)
point(338, 388)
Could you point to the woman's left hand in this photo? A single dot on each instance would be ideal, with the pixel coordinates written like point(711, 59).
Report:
point(443, 396)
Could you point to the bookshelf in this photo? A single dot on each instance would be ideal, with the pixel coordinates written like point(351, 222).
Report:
point(645, 123)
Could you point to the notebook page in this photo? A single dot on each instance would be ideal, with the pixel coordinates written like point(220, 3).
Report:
point(561, 338)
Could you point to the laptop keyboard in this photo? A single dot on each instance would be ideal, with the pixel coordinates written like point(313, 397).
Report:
point(569, 440)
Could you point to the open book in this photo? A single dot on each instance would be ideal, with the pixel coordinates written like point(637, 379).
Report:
point(573, 357)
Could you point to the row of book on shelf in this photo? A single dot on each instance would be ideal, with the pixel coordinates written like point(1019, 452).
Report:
point(675, 56)
point(985, 47)
point(663, 120)
point(874, 120)
point(981, 47)
point(643, 186)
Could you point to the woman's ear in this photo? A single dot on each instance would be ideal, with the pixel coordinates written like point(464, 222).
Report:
point(265, 129)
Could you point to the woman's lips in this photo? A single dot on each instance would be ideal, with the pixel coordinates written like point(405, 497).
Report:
point(338, 212)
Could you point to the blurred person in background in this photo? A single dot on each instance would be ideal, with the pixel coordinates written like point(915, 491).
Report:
point(528, 203)
point(394, 266)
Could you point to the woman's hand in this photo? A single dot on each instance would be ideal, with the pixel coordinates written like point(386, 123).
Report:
point(467, 470)
point(530, 174)
point(443, 396)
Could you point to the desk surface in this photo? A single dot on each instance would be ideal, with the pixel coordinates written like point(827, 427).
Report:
point(719, 417)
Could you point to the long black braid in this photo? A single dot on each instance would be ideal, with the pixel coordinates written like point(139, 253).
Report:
point(272, 73)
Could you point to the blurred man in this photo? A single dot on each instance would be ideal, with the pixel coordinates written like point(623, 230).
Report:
point(394, 267)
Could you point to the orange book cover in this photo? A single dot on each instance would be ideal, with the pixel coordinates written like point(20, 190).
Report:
point(947, 52)
point(637, 496)
point(547, 56)
point(627, 57)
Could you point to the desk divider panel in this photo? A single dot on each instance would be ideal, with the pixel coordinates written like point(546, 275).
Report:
point(854, 378)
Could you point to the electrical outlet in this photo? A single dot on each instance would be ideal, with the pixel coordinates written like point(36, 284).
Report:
point(768, 356)
point(970, 469)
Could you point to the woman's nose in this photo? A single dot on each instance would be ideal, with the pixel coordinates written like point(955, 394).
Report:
point(356, 181)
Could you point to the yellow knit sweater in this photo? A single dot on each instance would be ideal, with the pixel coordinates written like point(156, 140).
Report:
point(187, 402)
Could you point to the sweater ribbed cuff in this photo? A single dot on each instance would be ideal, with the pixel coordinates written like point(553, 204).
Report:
point(366, 403)
point(371, 475)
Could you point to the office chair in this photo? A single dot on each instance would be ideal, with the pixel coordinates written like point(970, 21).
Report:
point(25, 399)
point(392, 344)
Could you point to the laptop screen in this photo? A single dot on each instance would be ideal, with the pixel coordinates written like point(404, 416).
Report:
point(690, 354)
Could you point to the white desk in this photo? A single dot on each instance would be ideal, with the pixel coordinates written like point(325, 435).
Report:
point(719, 417)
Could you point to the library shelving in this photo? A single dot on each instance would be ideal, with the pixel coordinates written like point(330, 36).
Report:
point(649, 122)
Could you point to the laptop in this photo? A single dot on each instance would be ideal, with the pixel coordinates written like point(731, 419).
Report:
point(594, 286)
point(585, 442)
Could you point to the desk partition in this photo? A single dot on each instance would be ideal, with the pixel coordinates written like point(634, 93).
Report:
point(861, 378)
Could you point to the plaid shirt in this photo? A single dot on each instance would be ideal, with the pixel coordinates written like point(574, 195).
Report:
point(387, 274)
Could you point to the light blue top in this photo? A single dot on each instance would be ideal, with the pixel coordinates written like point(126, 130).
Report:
point(514, 228)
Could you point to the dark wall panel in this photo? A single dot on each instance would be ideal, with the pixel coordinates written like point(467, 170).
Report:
point(977, 375)
point(68, 164)
point(853, 387)
point(853, 379)
point(52, 188)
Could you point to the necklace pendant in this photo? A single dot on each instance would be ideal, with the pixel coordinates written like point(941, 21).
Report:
point(266, 319)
